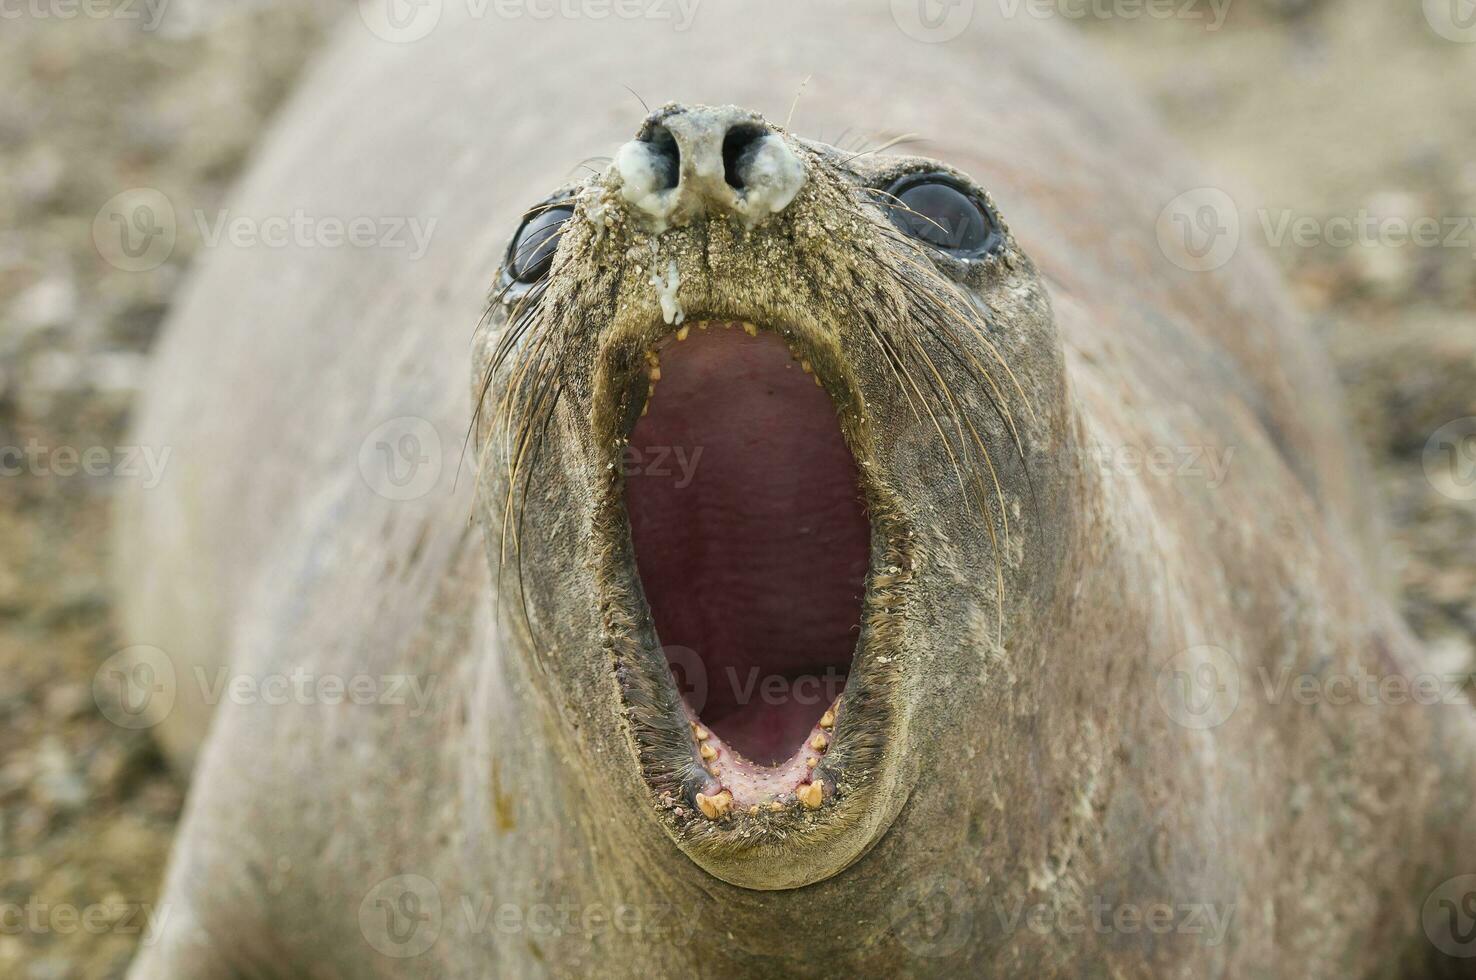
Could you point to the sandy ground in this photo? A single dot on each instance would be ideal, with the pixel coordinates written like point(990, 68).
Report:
point(1314, 110)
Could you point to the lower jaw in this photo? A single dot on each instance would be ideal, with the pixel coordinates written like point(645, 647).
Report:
point(737, 783)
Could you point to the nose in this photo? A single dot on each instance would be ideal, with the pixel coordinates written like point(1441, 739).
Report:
point(688, 163)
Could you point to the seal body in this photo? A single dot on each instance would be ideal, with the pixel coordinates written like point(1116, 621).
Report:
point(1066, 753)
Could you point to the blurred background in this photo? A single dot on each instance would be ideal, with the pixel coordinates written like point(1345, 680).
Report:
point(1338, 122)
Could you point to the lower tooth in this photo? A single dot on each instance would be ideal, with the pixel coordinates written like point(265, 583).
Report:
point(714, 806)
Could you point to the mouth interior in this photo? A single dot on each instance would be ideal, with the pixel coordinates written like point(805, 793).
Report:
point(751, 536)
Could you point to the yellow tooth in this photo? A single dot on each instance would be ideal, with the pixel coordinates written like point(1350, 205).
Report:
point(712, 770)
point(708, 752)
point(682, 333)
point(655, 373)
point(809, 794)
point(750, 329)
point(716, 805)
point(812, 762)
point(806, 367)
point(828, 719)
point(753, 810)
point(817, 380)
point(776, 805)
point(700, 732)
point(701, 324)
point(819, 742)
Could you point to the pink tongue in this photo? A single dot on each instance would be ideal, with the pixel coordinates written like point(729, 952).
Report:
point(750, 536)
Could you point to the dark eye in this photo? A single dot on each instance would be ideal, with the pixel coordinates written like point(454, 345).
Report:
point(533, 246)
point(934, 210)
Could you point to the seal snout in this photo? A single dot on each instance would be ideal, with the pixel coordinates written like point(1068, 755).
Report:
point(702, 161)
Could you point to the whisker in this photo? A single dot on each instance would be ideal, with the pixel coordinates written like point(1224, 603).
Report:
point(795, 104)
point(906, 139)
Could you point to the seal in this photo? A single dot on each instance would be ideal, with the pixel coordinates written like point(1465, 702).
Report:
point(889, 564)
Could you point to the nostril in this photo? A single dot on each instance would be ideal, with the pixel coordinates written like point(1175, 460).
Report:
point(738, 145)
point(666, 157)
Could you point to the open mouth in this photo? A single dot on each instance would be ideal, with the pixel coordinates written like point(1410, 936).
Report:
point(752, 544)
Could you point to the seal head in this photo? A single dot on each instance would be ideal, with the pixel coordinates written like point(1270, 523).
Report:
point(756, 418)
